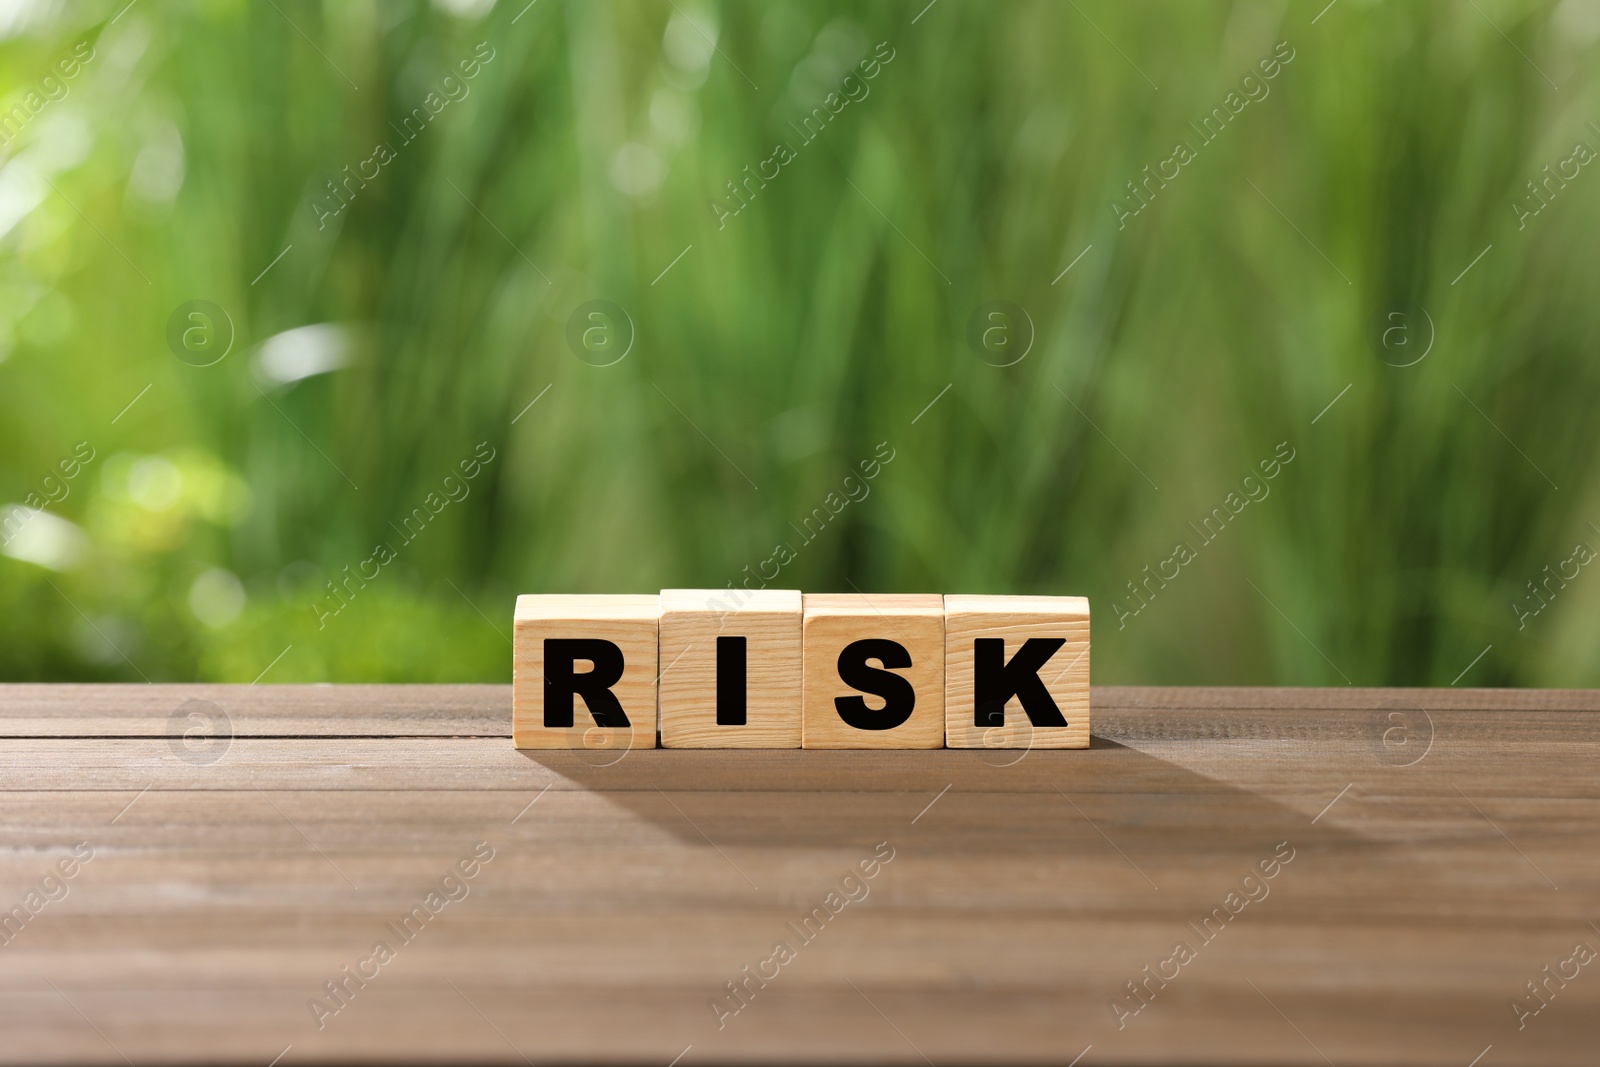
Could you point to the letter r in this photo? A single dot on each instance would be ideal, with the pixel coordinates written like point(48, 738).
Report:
point(995, 681)
point(561, 683)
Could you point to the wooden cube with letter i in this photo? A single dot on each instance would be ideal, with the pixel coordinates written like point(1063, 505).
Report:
point(584, 672)
point(874, 671)
point(1016, 671)
point(730, 668)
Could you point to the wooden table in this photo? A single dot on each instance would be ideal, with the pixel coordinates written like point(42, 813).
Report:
point(1445, 849)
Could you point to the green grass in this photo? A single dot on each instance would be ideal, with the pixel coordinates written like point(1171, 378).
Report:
point(773, 358)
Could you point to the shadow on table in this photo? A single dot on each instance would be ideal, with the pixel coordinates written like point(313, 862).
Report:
point(978, 801)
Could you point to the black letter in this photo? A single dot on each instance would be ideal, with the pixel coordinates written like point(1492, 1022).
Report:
point(898, 697)
point(730, 681)
point(994, 681)
point(561, 684)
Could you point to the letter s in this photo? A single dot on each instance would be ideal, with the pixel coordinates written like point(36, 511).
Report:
point(899, 698)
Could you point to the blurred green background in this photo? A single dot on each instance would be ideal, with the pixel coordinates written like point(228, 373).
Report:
point(1361, 233)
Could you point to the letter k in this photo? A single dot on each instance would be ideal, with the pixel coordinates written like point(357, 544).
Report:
point(996, 681)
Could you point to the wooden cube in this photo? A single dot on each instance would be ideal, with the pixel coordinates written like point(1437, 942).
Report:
point(730, 668)
point(1016, 671)
point(874, 671)
point(583, 672)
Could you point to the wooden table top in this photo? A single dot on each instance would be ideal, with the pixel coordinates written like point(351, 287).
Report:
point(1356, 876)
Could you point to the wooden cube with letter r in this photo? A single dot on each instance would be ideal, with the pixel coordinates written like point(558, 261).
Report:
point(584, 672)
point(1016, 671)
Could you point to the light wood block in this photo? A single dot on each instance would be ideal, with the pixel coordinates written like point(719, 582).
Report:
point(890, 650)
point(730, 668)
point(615, 643)
point(1029, 652)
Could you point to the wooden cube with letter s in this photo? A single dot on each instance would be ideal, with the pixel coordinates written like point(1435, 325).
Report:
point(584, 672)
point(1016, 671)
point(874, 671)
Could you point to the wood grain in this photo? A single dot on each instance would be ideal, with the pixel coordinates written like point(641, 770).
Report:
point(914, 622)
point(692, 622)
point(627, 622)
point(1440, 861)
point(1015, 620)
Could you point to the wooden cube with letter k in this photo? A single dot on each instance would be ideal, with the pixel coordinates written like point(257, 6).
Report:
point(1016, 671)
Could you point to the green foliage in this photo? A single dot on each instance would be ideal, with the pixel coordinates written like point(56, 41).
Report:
point(784, 338)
